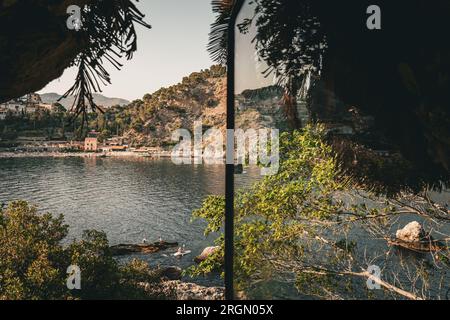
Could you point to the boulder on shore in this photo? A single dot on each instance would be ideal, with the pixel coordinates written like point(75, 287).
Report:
point(124, 249)
point(207, 252)
point(414, 237)
point(412, 232)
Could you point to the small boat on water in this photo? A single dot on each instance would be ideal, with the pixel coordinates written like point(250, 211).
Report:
point(181, 252)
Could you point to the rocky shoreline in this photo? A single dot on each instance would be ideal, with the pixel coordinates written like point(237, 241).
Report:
point(173, 288)
point(171, 285)
point(126, 154)
point(178, 290)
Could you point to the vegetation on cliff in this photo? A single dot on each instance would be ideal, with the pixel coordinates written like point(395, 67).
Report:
point(150, 121)
point(201, 96)
point(42, 123)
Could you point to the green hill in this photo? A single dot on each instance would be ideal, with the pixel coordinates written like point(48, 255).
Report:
point(151, 120)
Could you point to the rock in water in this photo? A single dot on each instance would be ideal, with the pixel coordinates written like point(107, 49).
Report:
point(208, 251)
point(124, 249)
point(412, 232)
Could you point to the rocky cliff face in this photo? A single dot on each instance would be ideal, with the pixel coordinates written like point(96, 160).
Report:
point(199, 97)
point(261, 108)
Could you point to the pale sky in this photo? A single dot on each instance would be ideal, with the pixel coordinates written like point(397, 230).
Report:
point(248, 68)
point(172, 49)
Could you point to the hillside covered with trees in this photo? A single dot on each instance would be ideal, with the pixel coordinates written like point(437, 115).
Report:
point(150, 121)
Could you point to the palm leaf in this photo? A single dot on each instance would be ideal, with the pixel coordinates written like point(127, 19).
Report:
point(218, 36)
point(108, 27)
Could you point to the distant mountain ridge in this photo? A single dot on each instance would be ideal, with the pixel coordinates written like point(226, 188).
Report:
point(99, 99)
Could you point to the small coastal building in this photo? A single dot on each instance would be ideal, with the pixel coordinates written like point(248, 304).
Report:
point(46, 106)
point(107, 148)
point(34, 98)
point(31, 140)
point(15, 107)
point(115, 141)
point(91, 144)
point(25, 105)
point(119, 148)
point(104, 148)
point(31, 109)
point(76, 145)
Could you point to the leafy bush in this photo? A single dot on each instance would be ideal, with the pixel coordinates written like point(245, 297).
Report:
point(298, 226)
point(33, 262)
point(265, 215)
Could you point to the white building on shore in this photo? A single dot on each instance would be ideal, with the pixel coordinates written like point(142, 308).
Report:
point(26, 104)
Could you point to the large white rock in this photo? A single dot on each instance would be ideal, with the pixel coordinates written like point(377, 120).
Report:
point(206, 253)
point(412, 232)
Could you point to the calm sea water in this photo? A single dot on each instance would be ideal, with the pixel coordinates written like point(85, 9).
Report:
point(132, 199)
point(129, 199)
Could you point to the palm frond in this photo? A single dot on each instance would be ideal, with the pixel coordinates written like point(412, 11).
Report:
point(289, 39)
point(108, 29)
point(218, 36)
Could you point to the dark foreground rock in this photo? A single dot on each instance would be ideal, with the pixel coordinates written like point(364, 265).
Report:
point(423, 246)
point(178, 290)
point(171, 273)
point(146, 248)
